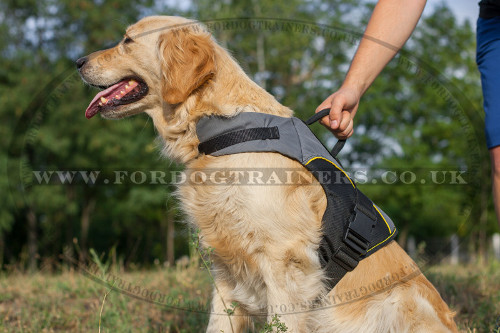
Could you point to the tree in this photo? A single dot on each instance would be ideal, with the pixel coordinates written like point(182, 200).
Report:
point(50, 133)
point(421, 115)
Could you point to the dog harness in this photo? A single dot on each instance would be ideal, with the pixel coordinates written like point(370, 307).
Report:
point(353, 227)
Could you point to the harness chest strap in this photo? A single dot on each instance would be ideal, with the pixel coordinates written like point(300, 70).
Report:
point(353, 227)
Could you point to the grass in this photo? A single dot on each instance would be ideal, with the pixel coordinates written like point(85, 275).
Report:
point(72, 302)
point(473, 291)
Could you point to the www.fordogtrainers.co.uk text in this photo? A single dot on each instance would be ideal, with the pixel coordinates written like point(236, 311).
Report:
point(249, 176)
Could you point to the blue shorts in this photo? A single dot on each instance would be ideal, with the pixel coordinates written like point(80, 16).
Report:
point(488, 62)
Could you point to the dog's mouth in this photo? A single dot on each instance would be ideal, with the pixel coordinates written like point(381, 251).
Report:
point(126, 91)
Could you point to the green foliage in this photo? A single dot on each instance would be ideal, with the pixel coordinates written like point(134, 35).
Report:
point(471, 291)
point(422, 113)
point(275, 325)
point(232, 308)
point(72, 302)
point(198, 249)
point(42, 105)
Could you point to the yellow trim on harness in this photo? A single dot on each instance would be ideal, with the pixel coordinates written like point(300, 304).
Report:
point(387, 224)
point(335, 165)
point(383, 218)
point(382, 241)
point(391, 233)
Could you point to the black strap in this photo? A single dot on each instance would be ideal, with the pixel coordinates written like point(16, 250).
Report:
point(231, 138)
point(342, 254)
point(348, 239)
point(337, 148)
point(365, 205)
point(317, 116)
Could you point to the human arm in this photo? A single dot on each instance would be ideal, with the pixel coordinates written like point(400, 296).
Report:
point(390, 26)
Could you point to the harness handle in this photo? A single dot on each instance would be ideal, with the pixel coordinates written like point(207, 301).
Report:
point(317, 116)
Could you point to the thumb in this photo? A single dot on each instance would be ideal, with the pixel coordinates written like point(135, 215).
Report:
point(336, 112)
point(326, 104)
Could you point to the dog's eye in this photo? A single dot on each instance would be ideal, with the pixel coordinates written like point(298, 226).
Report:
point(127, 40)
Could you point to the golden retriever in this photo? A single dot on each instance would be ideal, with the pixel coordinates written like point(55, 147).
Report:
point(265, 238)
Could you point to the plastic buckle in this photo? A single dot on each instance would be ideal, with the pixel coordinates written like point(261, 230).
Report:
point(345, 259)
point(358, 232)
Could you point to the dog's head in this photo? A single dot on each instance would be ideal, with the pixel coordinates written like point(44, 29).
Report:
point(160, 60)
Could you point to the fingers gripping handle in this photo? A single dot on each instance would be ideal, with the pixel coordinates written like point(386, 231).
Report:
point(317, 116)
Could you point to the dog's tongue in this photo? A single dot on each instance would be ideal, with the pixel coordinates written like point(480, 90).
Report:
point(106, 96)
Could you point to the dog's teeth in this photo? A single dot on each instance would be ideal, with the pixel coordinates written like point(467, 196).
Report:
point(127, 86)
point(117, 96)
point(100, 104)
point(131, 82)
point(122, 92)
point(104, 100)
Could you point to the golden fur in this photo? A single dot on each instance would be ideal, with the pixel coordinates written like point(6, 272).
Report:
point(265, 238)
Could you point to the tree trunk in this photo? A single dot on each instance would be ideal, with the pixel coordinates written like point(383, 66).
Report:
point(68, 245)
point(261, 59)
point(2, 249)
point(483, 217)
point(170, 239)
point(403, 235)
point(85, 222)
point(132, 244)
point(147, 247)
point(32, 240)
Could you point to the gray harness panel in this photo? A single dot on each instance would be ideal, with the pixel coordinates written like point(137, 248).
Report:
point(353, 227)
point(295, 139)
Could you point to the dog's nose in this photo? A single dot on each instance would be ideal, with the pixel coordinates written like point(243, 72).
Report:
point(80, 62)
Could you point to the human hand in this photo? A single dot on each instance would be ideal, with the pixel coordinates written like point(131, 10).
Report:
point(343, 105)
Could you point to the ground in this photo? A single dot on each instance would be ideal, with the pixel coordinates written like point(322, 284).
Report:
point(177, 299)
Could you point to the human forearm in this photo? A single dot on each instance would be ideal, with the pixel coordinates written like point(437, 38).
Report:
point(390, 26)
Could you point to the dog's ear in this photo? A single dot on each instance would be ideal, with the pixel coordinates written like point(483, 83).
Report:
point(187, 61)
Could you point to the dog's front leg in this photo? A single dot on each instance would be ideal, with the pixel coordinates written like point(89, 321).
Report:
point(284, 310)
point(221, 320)
point(289, 304)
